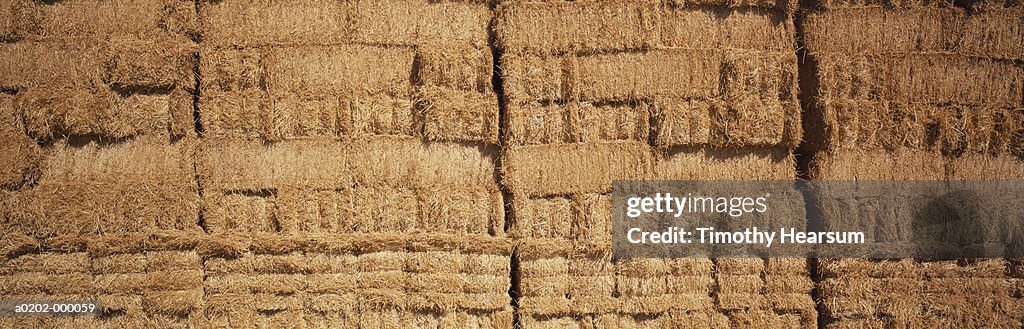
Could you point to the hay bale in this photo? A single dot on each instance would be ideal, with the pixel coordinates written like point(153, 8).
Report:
point(577, 122)
point(530, 77)
point(580, 27)
point(652, 74)
point(381, 161)
point(20, 162)
point(455, 115)
point(102, 19)
point(50, 114)
point(871, 165)
point(705, 163)
point(150, 65)
point(314, 69)
point(574, 168)
point(936, 79)
point(468, 68)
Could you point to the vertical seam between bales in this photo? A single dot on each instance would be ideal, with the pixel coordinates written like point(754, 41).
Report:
point(497, 84)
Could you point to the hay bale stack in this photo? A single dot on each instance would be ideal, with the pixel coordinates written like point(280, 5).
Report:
point(111, 69)
point(922, 91)
point(290, 69)
point(377, 231)
point(597, 91)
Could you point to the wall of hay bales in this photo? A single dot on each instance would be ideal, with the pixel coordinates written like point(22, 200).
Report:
point(422, 163)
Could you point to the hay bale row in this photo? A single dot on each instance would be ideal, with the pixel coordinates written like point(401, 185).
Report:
point(374, 22)
point(993, 33)
point(27, 20)
point(918, 78)
point(584, 26)
point(635, 76)
point(123, 64)
point(951, 129)
point(98, 189)
point(325, 164)
point(354, 210)
point(973, 5)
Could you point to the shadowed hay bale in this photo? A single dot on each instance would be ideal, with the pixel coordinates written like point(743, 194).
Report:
point(456, 115)
point(580, 27)
point(380, 161)
point(139, 19)
point(49, 114)
point(465, 68)
point(985, 167)
point(157, 64)
point(574, 168)
point(306, 22)
point(992, 33)
point(19, 164)
point(576, 122)
point(919, 78)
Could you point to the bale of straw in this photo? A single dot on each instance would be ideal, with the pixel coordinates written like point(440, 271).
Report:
point(316, 69)
point(578, 26)
point(536, 124)
point(982, 167)
point(936, 79)
point(749, 121)
point(682, 122)
point(241, 211)
point(577, 122)
point(247, 23)
point(878, 165)
point(574, 168)
point(450, 23)
point(375, 114)
point(703, 163)
point(227, 69)
point(138, 160)
point(47, 263)
point(380, 161)
point(256, 115)
point(456, 115)
point(102, 19)
point(466, 68)
point(50, 114)
point(531, 77)
point(657, 73)
point(19, 164)
point(150, 65)
point(51, 64)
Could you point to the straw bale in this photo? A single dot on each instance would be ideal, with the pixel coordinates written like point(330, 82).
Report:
point(316, 69)
point(705, 163)
point(990, 33)
point(786, 266)
point(749, 121)
point(580, 26)
point(40, 65)
point(247, 23)
point(540, 268)
point(148, 281)
point(574, 168)
point(301, 210)
point(875, 165)
point(788, 284)
point(530, 77)
point(150, 64)
point(740, 301)
point(380, 161)
point(390, 211)
point(740, 284)
point(801, 303)
point(592, 219)
point(461, 210)
point(640, 286)
point(172, 260)
point(379, 115)
point(39, 283)
point(455, 115)
point(224, 69)
point(47, 263)
point(240, 211)
point(889, 4)
point(20, 162)
point(449, 23)
point(138, 160)
point(173, 302)
point(50, 114)
point(533, 123)
point(267, 283)
point(652, 74)
point(542, 218)
point(597, 286)
point(468, 68)
point(920, 78)
point(119, 263)
point(102, 19)
point(683, 122)
point(983, 167)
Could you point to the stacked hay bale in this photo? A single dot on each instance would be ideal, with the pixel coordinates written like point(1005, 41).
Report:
point(597, 91)
point(99, 196)
point(914, 91)
point(348, 169)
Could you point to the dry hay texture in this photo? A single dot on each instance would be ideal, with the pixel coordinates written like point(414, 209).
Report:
point(913, 90)
point(362, 163)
